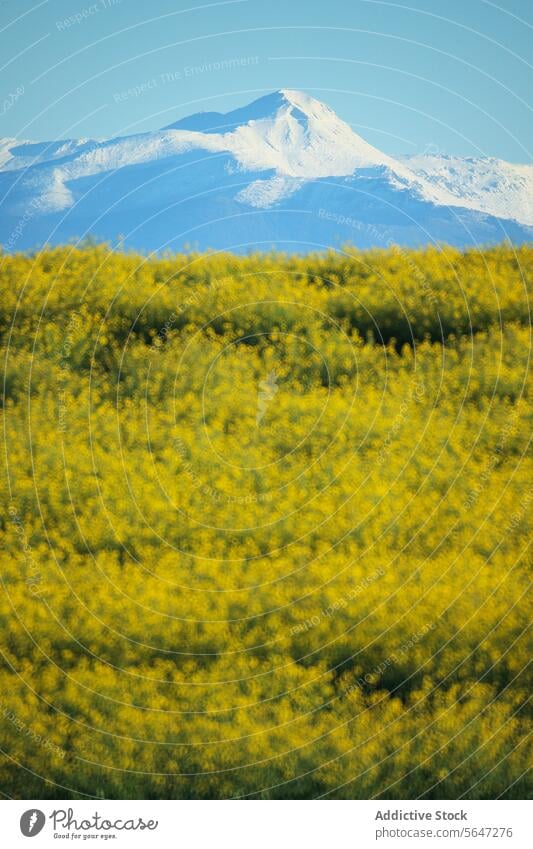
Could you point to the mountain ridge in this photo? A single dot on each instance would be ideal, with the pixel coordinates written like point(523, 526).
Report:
point(267, 158)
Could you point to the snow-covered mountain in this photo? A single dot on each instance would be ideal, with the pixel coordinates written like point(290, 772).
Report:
point(283, 171)
point(485, 184)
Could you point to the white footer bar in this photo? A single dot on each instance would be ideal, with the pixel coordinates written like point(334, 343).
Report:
point(266, 825)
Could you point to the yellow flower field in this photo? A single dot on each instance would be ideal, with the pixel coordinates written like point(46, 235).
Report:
point(265, 524)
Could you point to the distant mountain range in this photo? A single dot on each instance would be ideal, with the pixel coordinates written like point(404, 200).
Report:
point(282, 172)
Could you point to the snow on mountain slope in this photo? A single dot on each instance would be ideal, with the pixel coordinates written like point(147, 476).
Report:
point(288, 132)
point(291, 133)
point(16, 155)
point(265, 193)
point(489, 185)
point(285, 151)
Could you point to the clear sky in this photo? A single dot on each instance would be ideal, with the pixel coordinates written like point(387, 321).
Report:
point(453, 76)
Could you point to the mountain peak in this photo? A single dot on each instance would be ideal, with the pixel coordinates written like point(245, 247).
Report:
point(290, 132)
point(304, 102)
point(269, 106)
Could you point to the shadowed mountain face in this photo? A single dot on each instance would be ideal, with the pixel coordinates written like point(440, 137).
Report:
point(282, 172)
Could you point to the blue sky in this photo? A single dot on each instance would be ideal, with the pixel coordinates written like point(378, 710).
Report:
point(452, 76)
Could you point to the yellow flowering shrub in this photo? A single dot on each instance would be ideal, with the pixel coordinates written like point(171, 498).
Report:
point(265, 524)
